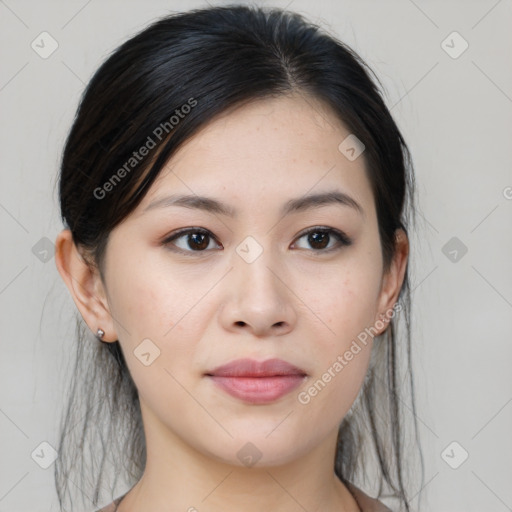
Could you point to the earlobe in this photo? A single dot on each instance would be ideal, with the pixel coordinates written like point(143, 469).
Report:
point(393, 279)
point(85, 286)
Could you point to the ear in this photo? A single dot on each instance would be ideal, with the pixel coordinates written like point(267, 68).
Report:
point(392, 280)
point(85, 285)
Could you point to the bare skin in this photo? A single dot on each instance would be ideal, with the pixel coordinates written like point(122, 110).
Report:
point(203, 308)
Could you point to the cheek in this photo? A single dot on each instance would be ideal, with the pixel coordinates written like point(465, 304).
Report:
point(156, 316)
point(342, 347)
point(166, 309)
point(332, 393)
point(344, 306)
point(149, 303)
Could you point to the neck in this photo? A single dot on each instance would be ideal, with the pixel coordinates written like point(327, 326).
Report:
point(179, 477)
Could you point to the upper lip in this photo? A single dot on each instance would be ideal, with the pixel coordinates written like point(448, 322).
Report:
point(253, 368)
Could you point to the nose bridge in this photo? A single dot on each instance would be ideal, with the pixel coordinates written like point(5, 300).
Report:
point(256, 266)
point(258, 295)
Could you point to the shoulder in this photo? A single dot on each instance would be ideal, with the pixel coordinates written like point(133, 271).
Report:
point(365, 502)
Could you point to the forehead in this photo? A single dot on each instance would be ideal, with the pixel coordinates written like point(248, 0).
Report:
point(264, 151)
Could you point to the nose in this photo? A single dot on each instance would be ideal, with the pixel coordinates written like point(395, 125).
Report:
point(259, 299)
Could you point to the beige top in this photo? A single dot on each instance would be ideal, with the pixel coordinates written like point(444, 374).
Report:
point(366, 504)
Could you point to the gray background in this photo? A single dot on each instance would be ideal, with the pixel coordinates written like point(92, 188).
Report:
point(456, 115)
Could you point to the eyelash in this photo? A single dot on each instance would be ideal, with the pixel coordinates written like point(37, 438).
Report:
point(343, 239)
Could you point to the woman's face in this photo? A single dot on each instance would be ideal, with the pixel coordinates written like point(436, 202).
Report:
point(256, 286)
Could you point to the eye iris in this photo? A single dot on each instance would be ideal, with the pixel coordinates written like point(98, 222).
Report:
point(316, 237)
point(198, 238)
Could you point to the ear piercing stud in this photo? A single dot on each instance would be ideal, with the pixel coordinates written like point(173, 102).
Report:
point(100, 333)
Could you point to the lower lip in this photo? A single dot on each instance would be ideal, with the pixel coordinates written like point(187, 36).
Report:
point(258, 390)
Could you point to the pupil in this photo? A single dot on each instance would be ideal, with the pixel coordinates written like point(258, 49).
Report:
point(313, 239)
point(198, 245)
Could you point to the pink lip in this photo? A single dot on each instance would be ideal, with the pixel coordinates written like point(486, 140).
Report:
point(257, 382)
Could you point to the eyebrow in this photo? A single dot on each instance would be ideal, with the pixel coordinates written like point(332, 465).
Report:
point(299, 204)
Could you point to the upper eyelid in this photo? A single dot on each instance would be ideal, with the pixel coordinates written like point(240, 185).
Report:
point(192, 229)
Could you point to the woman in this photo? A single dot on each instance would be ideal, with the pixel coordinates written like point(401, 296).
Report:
point(234, 196)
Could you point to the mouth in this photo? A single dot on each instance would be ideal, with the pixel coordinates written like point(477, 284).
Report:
point(257, 382)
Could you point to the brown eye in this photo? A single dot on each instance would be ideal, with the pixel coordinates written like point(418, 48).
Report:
point(320, 238)
point(193, 240)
